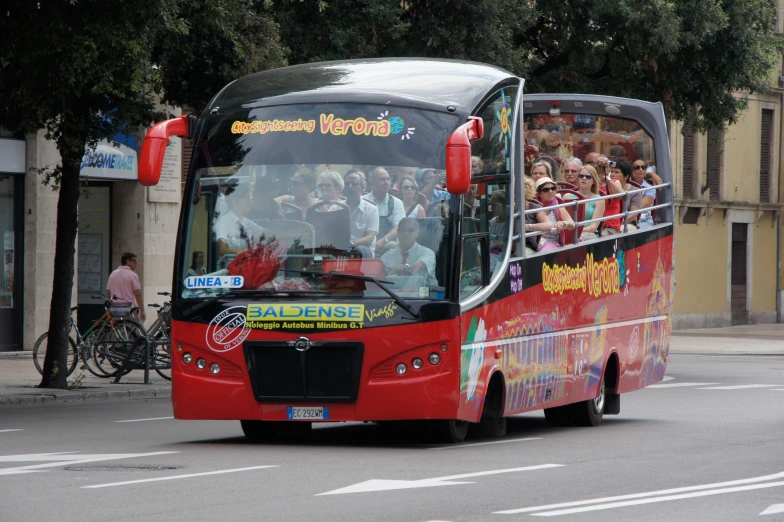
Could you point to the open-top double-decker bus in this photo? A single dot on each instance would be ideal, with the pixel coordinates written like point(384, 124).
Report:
point(446, 319)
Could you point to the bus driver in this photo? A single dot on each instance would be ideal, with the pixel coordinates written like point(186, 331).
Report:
point(409, 257)
point(234, 232)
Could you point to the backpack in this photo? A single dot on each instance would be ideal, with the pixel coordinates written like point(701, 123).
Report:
point(256, 265)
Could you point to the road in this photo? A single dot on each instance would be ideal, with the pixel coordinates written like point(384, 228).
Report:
point(704, 445)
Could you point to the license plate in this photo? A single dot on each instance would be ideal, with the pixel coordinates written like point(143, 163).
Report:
point(307, 413)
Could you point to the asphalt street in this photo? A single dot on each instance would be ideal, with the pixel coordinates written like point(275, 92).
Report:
point(706, 444)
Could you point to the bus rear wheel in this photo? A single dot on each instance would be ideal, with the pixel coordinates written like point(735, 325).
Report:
point(448, 431)
point(584, 413)
point(264, 431)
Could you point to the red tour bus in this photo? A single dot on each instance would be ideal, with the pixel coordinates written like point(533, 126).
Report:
point(311, 306)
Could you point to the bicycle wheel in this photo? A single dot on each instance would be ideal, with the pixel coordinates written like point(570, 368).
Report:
point(110, 351)
point(87, 351)
point(39, 354)
point(161, 354)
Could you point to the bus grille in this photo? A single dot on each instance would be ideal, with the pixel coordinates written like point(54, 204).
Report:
point(327, 371)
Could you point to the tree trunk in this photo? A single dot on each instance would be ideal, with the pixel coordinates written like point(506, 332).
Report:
point(55, 364)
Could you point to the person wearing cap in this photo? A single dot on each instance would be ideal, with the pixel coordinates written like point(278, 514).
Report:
point(559, 218)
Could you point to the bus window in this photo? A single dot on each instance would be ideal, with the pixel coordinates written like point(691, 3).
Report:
point(472, 273)
point(491, 153)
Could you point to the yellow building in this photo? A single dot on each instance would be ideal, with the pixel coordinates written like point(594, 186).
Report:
point(728, 195)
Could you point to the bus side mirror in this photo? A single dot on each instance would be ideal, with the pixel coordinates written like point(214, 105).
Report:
point(458, 155)
point(154, 148)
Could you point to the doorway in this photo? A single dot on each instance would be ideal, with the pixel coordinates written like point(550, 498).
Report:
point(738, 275)
point(93, 250)
point(11, 276)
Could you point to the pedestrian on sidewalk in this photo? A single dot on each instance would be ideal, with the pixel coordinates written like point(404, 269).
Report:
point(124, 283)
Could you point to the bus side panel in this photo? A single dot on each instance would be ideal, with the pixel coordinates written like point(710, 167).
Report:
point(428, 393)
point(575, 308)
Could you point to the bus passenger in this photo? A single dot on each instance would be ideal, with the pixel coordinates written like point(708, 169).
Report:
point(497, 226)
point(428, 186)
point(535, 221)
point(571, 168)
point(639, 173)
point(234, 232)
point(364, 216)
point(409, 190)
point(409, 257)
point(622, 172)
point(302, 183)
point(541, 169)
point(588, 185)
point(609, 186)
point(559, 218)
point(330, 185)
point(390, 208)
point(477, 165)
point(265, 206)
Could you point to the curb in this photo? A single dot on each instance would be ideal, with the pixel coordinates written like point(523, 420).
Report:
point(52, 396)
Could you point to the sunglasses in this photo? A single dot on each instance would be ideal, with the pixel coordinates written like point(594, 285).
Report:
point(585, 176)
point(639, 167)
point(548, 189)
point(408, 187)
point(571, 170)
point(353, 183)
point(324, 185)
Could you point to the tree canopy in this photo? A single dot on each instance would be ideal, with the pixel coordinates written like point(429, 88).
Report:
point(684, 53)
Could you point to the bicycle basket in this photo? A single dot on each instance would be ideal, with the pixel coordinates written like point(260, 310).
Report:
point(120, 308)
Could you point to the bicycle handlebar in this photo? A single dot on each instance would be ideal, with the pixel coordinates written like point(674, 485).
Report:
point(167, 294)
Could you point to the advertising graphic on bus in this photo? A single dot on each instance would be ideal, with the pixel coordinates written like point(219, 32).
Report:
point(417, 240)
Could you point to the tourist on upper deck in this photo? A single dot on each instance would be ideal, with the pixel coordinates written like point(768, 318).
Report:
point(390, 208)
point(609, 186)
point(303, 182)
point(535, 221)
point(477, 165)
point(559, 218)
point(571, 168)
point(639, 172)
point(409, 190)
point(541, 169)
point(622, 172)
point(588, 185)
point(364, 216)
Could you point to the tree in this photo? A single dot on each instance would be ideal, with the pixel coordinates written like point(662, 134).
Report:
point(85, 70)
point(684, 53)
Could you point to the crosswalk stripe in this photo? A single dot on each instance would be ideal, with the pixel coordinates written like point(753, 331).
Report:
point(681, 384)
point(741, 387)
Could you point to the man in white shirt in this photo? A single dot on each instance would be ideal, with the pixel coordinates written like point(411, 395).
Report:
point(364, 216)
point(409, 257)
point(233, 231)
point(390, 208)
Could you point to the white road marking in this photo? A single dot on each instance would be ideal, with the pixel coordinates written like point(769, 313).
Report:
point(6, 431)
point(174, 477)
point(52, 460)
point(387, 485)
point(458, 446)
point(680, 384)
point(772, 510)
point(778, 389)
point(741, 387)
point(143, 420)
point(686, 489)
point(659, 499)
point(667, 378)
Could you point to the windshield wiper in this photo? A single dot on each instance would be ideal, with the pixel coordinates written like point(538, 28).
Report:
point(238, 292)
point(361, 277)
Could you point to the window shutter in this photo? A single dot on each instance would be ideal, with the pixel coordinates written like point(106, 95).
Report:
point(688, 159)
point(715, 145)
point(766, 128)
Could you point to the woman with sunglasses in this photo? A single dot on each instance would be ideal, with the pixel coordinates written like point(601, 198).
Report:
point(303, 182)
point(588, 185)
point(559, 218)
point(639, 169)
point(330, 186)
point(409, 190)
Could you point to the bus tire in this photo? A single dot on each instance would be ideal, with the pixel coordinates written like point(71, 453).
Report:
point(449, 431)
point(493, 423)
point(589, 413)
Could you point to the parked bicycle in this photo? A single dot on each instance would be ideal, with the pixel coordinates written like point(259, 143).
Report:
point(112, 325)
point(159, 335)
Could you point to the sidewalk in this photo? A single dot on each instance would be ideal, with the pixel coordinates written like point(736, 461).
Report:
point(19, 380)
point(760, 339)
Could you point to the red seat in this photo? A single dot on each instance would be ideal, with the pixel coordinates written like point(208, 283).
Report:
point(565, 185)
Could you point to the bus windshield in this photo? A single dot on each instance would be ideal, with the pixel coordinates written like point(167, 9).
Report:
point(287, 198)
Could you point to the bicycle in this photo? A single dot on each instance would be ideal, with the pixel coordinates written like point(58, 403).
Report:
point(84, 346)
point(159, 335)
point(109, 352)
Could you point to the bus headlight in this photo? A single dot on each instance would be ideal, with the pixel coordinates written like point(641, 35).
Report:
point(200, 363)
point(187, 358)
point(401, 368)
point(214, 368)
point(434, 358)
point(417, 363)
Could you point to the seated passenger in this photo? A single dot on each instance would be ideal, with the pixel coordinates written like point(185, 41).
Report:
point(264, 204)
point(609, 186)
point(409, 190)
point(639, 173)
point(622, 172)
point(302, 183)
point(588, 185)
point(535, 221)
point(559, 218)
point(409, 257)
point(390, 208)
point(364, 216)
point(427, 180)
point(470, 202)
point(234, 232)
point(497, 227)
point(571, 168)
point(330, 185)
point(541, 169)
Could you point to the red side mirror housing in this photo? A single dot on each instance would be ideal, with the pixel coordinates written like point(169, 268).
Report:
point(154, 148)
point(458, 155)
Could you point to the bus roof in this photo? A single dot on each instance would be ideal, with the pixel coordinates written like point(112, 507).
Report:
point(414, 82)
